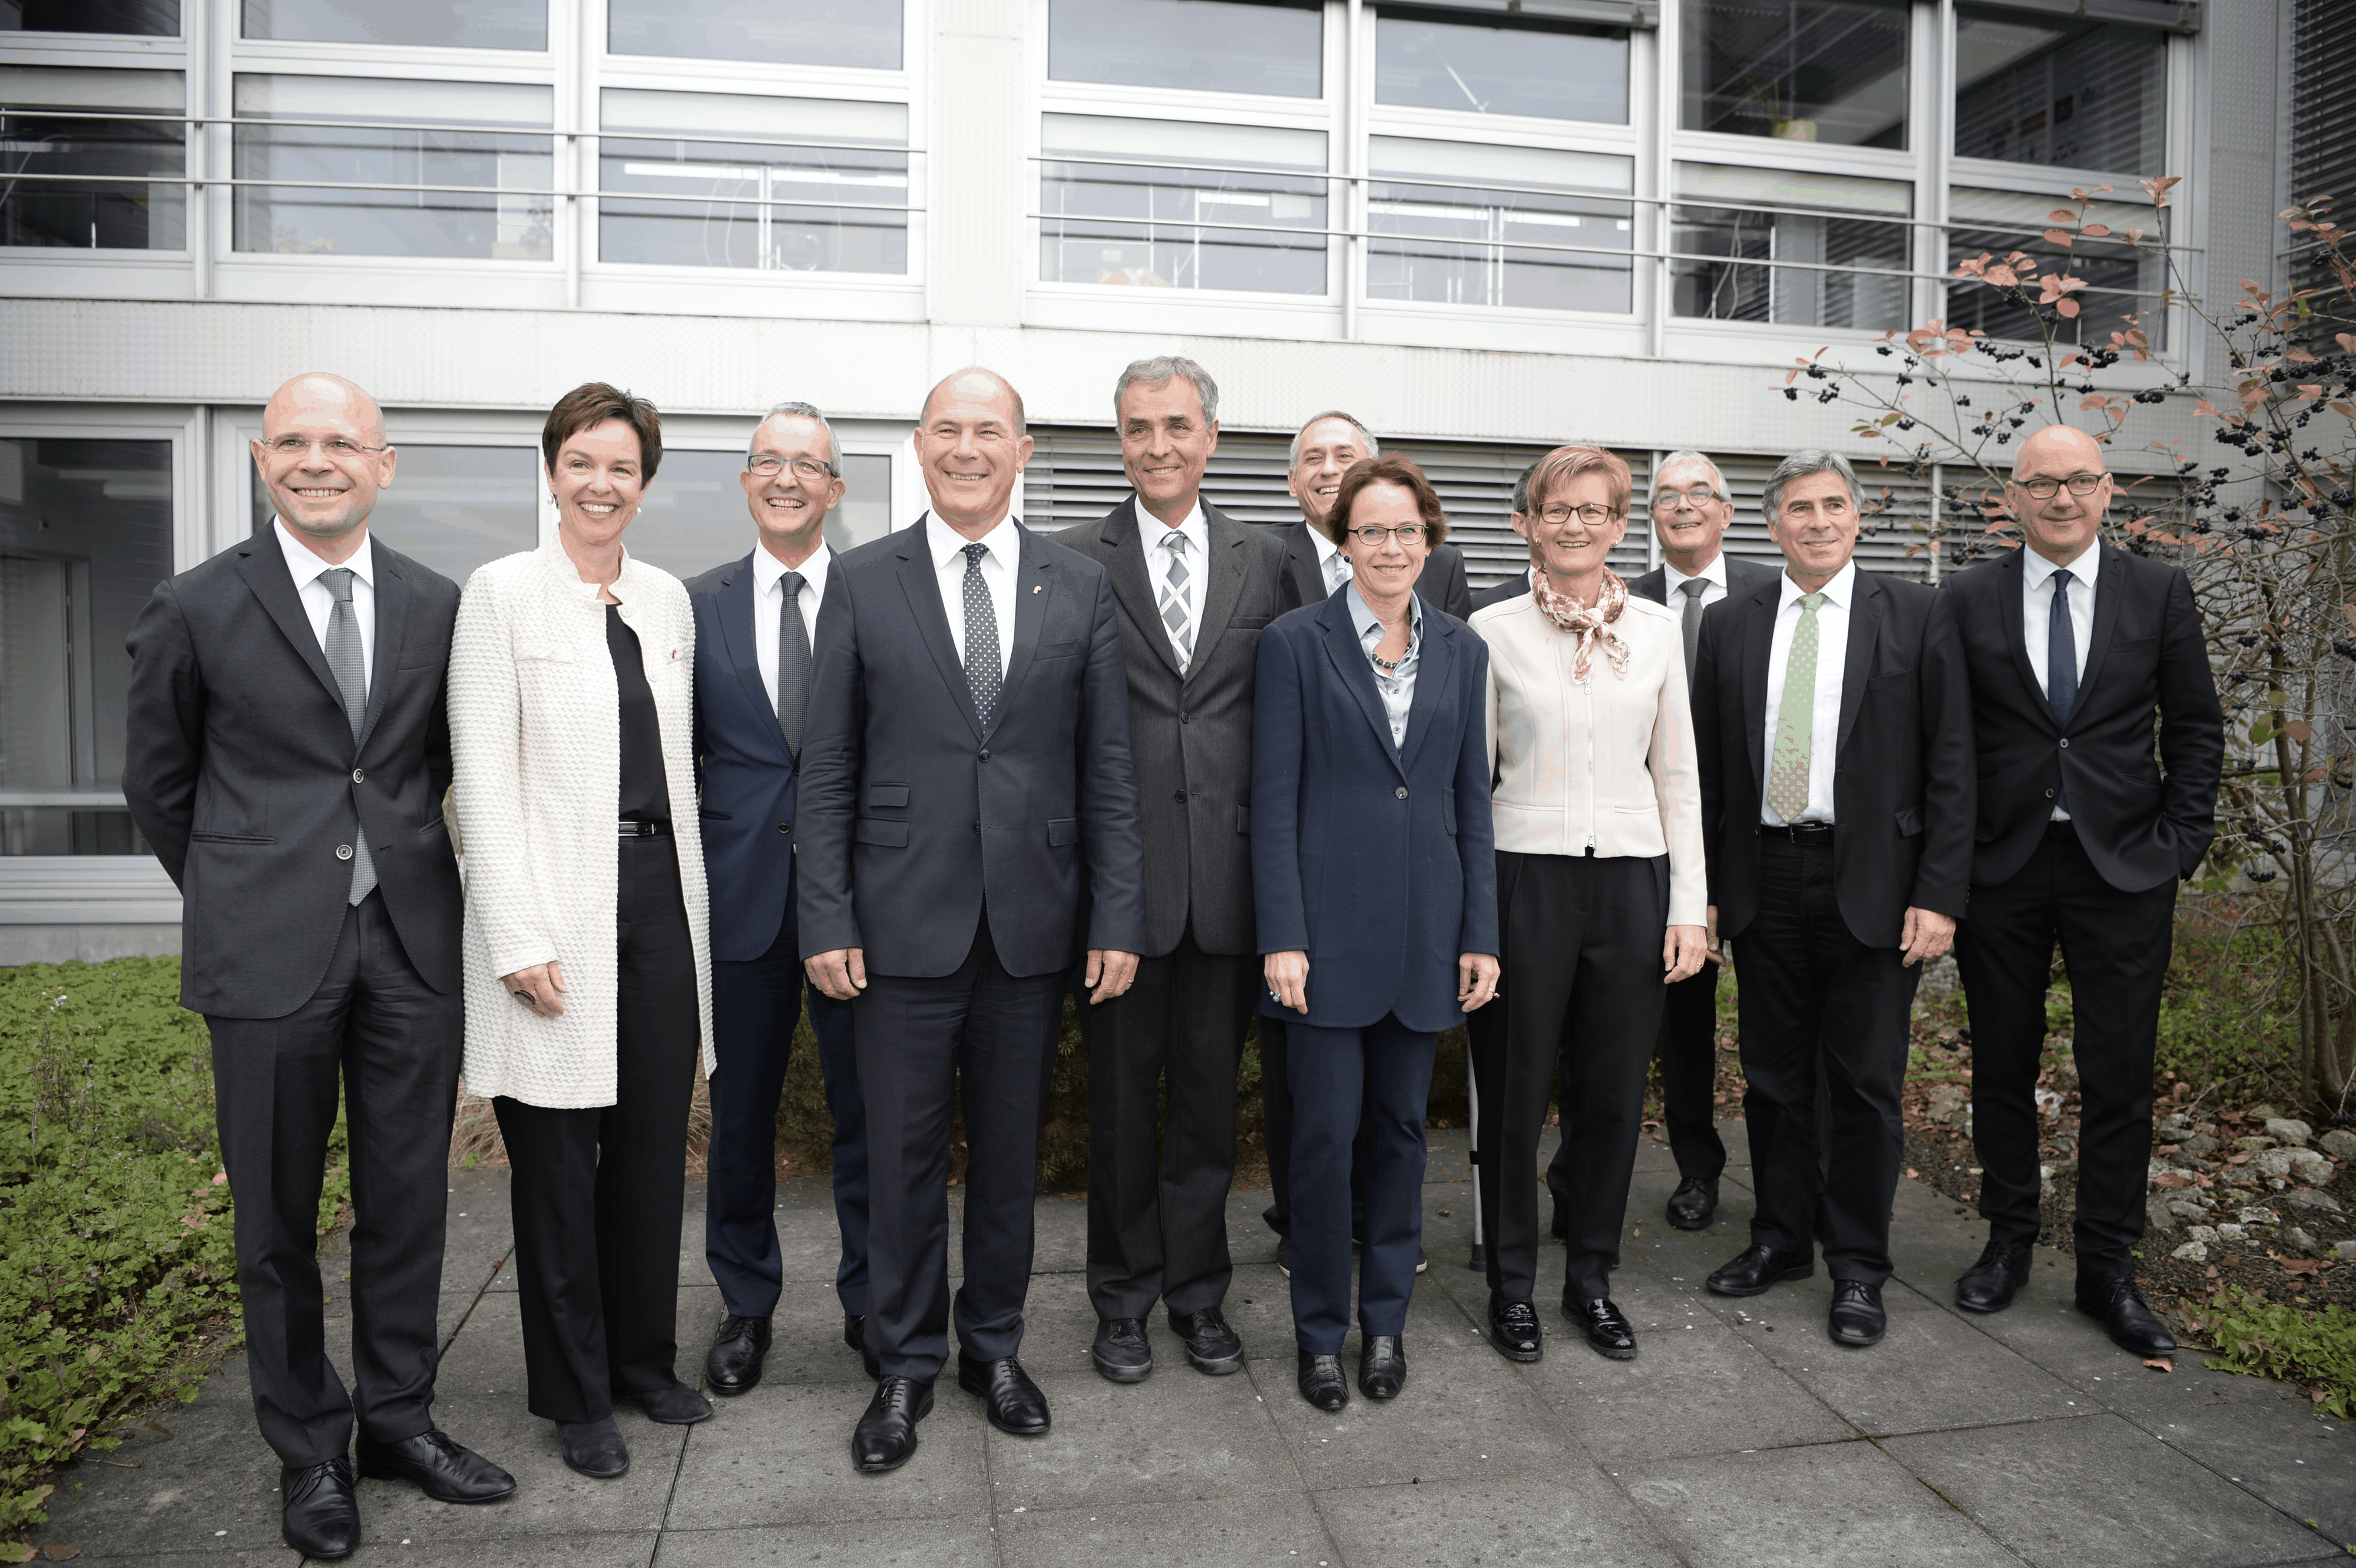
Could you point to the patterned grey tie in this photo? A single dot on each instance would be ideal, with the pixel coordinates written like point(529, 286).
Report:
point(351, 670)
point(1693, 588)
point(985, 672)
point(1174, 602)
point(793, 663)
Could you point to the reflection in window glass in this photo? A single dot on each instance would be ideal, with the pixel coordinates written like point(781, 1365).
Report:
point(1501, 70)
point(1255, 221)
point(146, 19)
point(831, 199)
point(416, 24)
point(2120, 281)
point(449, 184)
point(41, 138)
point(85, 535)
point(2040, 89)
point(449, 508)
point(1741, 263)
point(862, 33)
point(1523, 248)
point(1204, 46)
point(1805, 71)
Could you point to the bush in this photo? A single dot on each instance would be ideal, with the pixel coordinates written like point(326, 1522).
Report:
point(2314, 1348)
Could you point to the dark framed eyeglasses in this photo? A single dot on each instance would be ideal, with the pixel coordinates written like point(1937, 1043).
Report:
point(1591, 514)
point(1373, 535)
point(2045, 489)
point(768, 466)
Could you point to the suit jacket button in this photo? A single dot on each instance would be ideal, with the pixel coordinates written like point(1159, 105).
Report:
point(1401, 791)
point(359, 776)
point(2049, 794)
point(785, 827)
point(985, 754)
point(343, 852)
point(2065, 745)
point(1182, 797)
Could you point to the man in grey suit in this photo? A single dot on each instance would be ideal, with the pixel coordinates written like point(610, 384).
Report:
point(287, 747)
point(1691, 507)
point(1193, 588)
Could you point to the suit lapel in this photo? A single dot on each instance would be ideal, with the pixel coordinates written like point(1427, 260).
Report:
point(740, 640)
point(2110, 582)
point(1654, 585)
point(1436, 669)
point(265, 572)
point(923, 586)
point(1864, 626)
point(1224, 588)
point(1342, 645)
point(2012, 614)
point(1034, 581)
point(1300, 560)
point(392, 624)
point(1132, 582)
point(1758, 648)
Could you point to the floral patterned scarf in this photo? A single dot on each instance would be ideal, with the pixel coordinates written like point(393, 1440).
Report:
point(1589, 625)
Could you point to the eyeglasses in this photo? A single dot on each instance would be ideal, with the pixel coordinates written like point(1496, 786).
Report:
point(1693, 494)
point(1374, 537)
point(1591, 514)
point(336, 447)
point(2044, 489)
point(769, 467)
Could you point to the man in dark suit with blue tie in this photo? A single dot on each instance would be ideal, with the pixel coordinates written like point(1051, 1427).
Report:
point(2084, 661)
point(752, 624)
point(970, 829)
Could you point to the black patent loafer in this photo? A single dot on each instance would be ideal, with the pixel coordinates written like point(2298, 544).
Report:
point(855, 1334)
point(1990, 1285)
point(1759, 1267)
point(2124, 1316)
point(885, 1437)
point(1609, 1332)
point(1121, 1354)
point(594, 1448)
point(320, 1515)
point(438, 1466)
point(1013, 1402)
point(1856, 1319)
point(1382, 1367)
point(1212, 1348)
point(1694, 1204)
point(1321, 1382)
point(733, 1365)
point(677, 1405)
point(1515, 1332)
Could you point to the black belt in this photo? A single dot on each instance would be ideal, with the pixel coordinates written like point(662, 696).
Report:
point(636, 829)
point(1799, 832)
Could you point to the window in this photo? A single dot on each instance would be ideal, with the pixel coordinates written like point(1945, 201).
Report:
point(430, 23)
point(2058, 91)
point(1253, 219)
point(1524, 248)
point(1478, 68)
point(1202, 46)
point(813, 188)
point(863, 33)
point(451, 509)
point(694, 517)
point(85, 535)
point(2120, 281)
point(440, 180)
point(1759, 262)
point(1804, 70)
point(80, 183)
point(145, 19)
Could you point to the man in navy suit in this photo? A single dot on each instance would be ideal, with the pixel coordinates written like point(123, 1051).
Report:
point(969, 828)
point(752, 623)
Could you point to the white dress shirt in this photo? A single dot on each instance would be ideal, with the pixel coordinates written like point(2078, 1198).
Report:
point(319, 603)
point(1396, 687)
point(1002, 553)
point(1832, 654)
point(1198, 559)
point(1332, 564)
point(1673, 583)
point(768, 598)
point(2037, 614)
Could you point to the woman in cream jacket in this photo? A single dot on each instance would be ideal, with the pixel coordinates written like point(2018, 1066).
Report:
point(1600, 893)
point(588, 978)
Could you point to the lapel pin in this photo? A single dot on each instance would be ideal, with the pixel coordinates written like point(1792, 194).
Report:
point(1039, 589)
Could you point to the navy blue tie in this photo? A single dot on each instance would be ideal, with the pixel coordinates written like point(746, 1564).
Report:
point(2062, 668)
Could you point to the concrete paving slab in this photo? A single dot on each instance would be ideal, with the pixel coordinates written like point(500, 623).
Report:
point(2278, 1450)
point(629, 1549)
point(1701, 1391)
point(804, 1336)
point(1216, 1532)
point(887, 1543)
point(205, 1482)
point(550, 1499)
point(781, 1455)
point(1570, 1516)
point(1188, 1436)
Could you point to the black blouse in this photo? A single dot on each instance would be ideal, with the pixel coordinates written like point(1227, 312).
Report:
point(646, 793)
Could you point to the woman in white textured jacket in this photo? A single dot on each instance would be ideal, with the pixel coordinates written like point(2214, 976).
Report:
point(587, 969)
point(1600, 893)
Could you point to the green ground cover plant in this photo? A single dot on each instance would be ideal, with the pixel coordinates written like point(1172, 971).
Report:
point(2314, 1348)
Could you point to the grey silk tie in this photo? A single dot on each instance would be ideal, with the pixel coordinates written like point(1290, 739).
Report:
point(1174, 603)
point(793, 663)
point(1693, 588)
point(351, 670)
point(1337, 572)
point(984, 671)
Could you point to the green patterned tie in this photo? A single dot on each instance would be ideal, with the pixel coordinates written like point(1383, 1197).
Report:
point(1796, 720)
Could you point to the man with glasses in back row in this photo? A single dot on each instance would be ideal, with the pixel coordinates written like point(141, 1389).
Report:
point(754, 620)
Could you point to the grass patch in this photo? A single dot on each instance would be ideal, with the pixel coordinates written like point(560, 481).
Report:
point(2315, 1348)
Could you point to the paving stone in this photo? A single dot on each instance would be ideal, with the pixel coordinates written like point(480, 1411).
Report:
point(1576, 1515)
point(1179, 1434)
point(2277, 1449)
point(209, 1485)
point(1193, 1532)
point(781, 1455)
point(1690, 1392)
point(551, 1500)
point(887, 1543)
point(1828, 1505)
point(629, 1549)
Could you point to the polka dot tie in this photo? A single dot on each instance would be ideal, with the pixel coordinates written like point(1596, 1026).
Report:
point(985, 671)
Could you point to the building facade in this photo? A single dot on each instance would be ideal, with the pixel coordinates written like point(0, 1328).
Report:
point(1483, 227)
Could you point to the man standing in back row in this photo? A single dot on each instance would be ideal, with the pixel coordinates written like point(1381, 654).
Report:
point(2080, 656)
point(1194, 588)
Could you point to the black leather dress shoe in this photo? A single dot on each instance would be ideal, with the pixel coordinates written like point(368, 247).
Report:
point(1857, 1317)
point(1758, 1268)
point(733, 1365)
point(1120, 1353)
point(441, 1468)
point(885, 1437)
point(1212, 1348)
point(1014, 1402)
point(2132, 1324)
point(1609, 1332)
point(1514, 1330)
point(1694, 1203)
point(1321, 1382)
point(1990, 1285)
point(321, 1517)
point(594, 1448)
point(677, 1405)
point(855, 1334)
point(1382, 1367)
